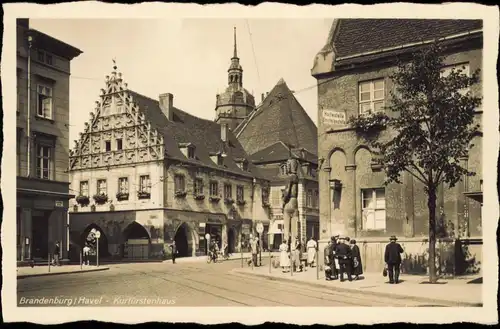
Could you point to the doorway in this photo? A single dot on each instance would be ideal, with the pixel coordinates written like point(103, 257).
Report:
point(40, 234)
point(231, 240)
point(182, 241)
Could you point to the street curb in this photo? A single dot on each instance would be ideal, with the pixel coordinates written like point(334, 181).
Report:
point(23, 276)
point(373, 293)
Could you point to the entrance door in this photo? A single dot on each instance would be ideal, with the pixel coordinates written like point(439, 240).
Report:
point(231, 240)
point(181, 241)
point(40, 234)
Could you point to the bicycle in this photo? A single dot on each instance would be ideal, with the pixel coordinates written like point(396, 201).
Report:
point(212, 257)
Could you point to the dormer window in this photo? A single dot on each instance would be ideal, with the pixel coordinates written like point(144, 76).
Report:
point(217, 158)
point(188, 150)
point(283, 169)
point(242, 164)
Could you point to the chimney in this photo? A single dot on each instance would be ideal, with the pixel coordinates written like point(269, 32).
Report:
point(167, 105)
point(224, 132)
point(262, 97)
point(267, 93)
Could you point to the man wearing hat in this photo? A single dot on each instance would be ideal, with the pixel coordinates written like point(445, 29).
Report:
point(392, 258)
point(335, 260)
point(344, 256)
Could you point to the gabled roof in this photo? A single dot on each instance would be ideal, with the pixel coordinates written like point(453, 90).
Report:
point(203, 134)
point(279, 152)
point(280, 118)
point(355, 40)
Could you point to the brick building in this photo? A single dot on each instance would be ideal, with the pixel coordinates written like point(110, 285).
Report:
point(43, 77)
point(352, 71)
point(147, 173)
point(277, 129)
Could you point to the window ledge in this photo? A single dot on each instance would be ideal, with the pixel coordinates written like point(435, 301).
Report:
point(37, 117)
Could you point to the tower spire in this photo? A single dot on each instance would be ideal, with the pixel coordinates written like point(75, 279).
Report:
point(235, 55)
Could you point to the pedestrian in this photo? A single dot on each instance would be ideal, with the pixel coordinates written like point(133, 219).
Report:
point(298, 255)
point(57, 251)
point(86, 252)
point(174, 251)
point(392, 258)
point(254, 248)
point(335, 261)
point(311, 251)
point(344, 256)
point(284, 260)
point(347, 241)
point(329, 264)
point(357, 265)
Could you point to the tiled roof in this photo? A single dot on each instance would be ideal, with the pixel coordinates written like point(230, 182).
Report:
point(280, 118)
point(203, 134)
point(356, 36)
point(279, 152)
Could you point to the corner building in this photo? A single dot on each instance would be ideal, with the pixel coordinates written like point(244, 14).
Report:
point(43, 78)
point(352, 71)
point(147, 173)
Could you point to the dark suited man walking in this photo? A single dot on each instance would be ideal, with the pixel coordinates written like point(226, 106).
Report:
point(344, 256)
point(329, 263)
point(335, 271)
point(392, 258)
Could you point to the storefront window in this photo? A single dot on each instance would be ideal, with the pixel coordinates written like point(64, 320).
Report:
point(374, 210)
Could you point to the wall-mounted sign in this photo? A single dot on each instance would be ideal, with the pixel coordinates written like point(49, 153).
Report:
point(334, 118)
point(59, 204)
point(245, 229)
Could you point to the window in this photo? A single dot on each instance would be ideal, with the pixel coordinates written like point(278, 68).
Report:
point(101, 187)
point(283, 169)
point(228, 191)
point(41, 56)
point(107, 146)
point(18, 151)
point(461, 68)
point(43, 161)
point(123, 185)
point(373, 203)
point(180, 183)
point(309, 198)
point(240, 193)
point(315, 199)
point(18, 88)
point(119, 144)
point(265, 195)
point(145, 184)
point(198, 186)
point(49, 59)
point(220, 160)
point(214, 189)
point(84, 188)
point(371, 96)
point(44, 102)
point(190, 152)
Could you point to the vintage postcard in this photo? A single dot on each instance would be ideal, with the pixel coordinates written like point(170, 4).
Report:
point(289, 159)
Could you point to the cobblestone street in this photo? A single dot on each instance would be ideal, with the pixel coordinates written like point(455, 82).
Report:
point(184, 284)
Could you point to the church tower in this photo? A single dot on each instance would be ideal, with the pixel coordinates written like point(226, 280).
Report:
point(235, 103)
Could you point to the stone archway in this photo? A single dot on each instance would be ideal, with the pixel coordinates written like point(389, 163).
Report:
point(185, 241)
point(88, 237)
point(137, 241)
point(231, 240)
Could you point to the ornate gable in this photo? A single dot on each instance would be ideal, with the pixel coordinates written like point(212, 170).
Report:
point(117, 132)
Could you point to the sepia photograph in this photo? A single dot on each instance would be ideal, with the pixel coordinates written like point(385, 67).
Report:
point(316, 161)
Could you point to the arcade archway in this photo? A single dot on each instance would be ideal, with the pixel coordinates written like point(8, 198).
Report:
point(137, 241)
point(88, 237)
point(184, 241)
point(231, 240)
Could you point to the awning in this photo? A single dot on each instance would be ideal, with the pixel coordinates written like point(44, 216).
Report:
point(477, 196)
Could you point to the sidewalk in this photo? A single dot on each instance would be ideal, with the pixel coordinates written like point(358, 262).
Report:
point(453, 292)
point(26, 272)
point(234, 257)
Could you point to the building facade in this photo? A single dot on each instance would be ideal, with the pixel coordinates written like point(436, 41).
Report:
point(279, 128)
point(43, 78)
point(353, 77)
point(146, 174)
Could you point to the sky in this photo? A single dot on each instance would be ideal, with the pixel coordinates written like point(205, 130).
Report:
point(188, 58)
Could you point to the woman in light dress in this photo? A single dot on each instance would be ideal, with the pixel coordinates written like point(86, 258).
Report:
point(311, 251)
point(284, 259)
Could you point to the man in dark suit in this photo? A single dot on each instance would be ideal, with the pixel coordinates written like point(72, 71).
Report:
point(328, 260)
point(344, 256)
point(392, 258)
point(335, 271)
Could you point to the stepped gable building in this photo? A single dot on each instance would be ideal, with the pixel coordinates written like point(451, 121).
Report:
point(352, 71)
point(147, 173)
point(277, 129)
point(235, 103)
point(43, 77)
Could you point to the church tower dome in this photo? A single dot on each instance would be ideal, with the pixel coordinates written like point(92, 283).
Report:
point(235, 103)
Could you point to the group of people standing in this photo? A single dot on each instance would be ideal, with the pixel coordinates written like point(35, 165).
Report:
point(342, 256)
point(292, 258)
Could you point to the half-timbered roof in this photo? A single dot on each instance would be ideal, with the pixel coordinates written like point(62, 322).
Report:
point(167, 136)
point(280, 118)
